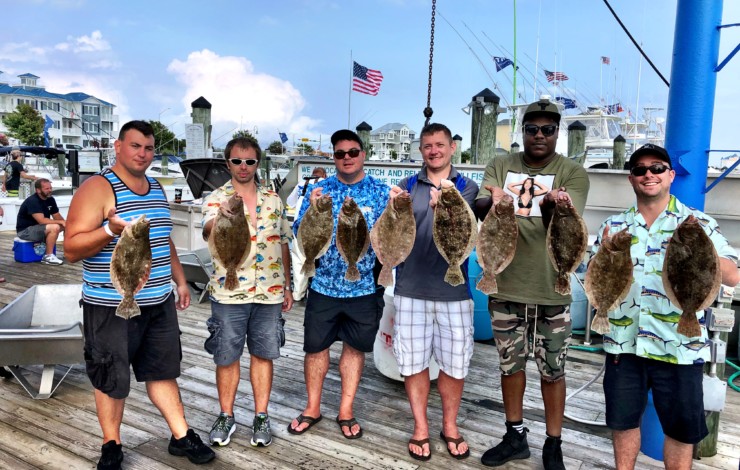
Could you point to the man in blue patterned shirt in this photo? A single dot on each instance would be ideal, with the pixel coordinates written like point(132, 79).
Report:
point(644, 350)
point(338, 309)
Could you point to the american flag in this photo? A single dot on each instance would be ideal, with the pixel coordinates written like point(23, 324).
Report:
point(365, 80)
point(605, 60)
point(555, 76)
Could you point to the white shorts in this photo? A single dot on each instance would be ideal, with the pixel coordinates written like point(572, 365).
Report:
point(422, 327)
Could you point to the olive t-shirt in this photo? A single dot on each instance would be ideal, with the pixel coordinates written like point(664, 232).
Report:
point(530, 278)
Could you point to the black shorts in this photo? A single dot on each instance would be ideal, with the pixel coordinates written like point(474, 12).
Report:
point(677, 393)
point(149, 342)
point(354, 321)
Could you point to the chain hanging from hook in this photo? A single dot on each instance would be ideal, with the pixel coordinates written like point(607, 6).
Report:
point(428, 110)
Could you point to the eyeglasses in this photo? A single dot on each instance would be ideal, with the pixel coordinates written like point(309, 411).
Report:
point(547, 130)
point(341, 154)
point(239, 161)
point(655, 168)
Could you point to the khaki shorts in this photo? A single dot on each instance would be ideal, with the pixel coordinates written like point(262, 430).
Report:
point(517, 325)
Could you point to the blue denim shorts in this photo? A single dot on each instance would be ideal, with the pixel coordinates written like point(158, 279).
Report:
point(677, 394)
point(230, 324)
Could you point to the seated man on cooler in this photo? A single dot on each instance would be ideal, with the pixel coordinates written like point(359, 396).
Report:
point(39, 220)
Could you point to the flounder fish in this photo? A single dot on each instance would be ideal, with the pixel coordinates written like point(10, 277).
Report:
point(496, 243)
point(567, 240)
point(314, 232)
point(454, 231)
point(353, 237)
point(609, 277)
point(130, 265)
point(691, 273)
point(230, 241)
point(393, 236)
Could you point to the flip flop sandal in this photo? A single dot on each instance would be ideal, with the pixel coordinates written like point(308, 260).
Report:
point(420, 443)
point(304, 419)
point(349, 423)
point(457, 441)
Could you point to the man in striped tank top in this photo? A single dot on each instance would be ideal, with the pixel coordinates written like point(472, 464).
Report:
point(149, 342)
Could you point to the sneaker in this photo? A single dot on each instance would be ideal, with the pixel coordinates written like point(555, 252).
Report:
point(51, 259)
point(222, 430)
point(261, 434)
point(552, 455)
point(111, 456)
point(191, 447)
point(512, 447)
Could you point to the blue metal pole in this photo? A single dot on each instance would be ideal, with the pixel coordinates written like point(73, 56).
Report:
point(691, 96)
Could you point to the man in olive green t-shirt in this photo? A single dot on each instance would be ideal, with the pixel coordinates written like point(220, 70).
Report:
point(526, 306)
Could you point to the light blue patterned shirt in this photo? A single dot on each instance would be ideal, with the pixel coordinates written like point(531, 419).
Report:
point(645, 322)
point(371, 196)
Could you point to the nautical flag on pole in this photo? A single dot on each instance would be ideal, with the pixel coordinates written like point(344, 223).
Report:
point(283, 137)
point(555, 76)
point(568, 103)
point(502, 63)
point(365, 80)
point(605, 60)
point(48, 122)
point(613, 108)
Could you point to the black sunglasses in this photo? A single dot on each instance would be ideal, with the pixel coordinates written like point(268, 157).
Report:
point(655, 168)
point(239, 161)
point(353, 153)
point(547, 130)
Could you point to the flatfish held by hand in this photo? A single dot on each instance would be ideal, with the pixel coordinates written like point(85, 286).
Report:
point(567, 240)
point(454, 231)
point(314, 232)
point(691, 273)
point(496, 243)
point(353, 238)
point(230, 240)
point(393, 236)
point(609, 277)
point(130, 265)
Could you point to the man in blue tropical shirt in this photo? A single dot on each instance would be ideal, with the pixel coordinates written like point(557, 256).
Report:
point(643, 348)
point(337, 309)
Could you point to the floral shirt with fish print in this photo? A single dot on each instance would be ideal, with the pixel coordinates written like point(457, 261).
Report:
point(645, 323)
point(371, 195)
point(261, 277)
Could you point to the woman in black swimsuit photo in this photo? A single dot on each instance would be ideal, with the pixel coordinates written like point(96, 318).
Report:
point(527, 190)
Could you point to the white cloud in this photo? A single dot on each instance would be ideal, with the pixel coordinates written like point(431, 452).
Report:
point(92, 43)
point(240, 95)
point(23, 52)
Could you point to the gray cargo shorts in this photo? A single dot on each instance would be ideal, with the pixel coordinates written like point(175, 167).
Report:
point(516, 325)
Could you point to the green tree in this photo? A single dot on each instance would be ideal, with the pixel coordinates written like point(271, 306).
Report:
point(26, 125)
point(275, 148)
point(305, 149)
point(465, 156)
point(165, 141)
point(245, 134)
point(394, 155)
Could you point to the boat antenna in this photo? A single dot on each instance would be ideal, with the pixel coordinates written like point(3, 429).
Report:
point(428, 111)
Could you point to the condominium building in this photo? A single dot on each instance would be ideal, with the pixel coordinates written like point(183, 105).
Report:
point(79, 118)
point(391, 142)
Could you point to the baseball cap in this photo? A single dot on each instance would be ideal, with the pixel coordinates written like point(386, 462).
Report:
point(345, 134)
point(543, 107)
point(650, 149)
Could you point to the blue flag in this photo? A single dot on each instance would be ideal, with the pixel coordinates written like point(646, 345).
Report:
point(48, 122)
point(283, 137)
point(568, 103)
point(502, 63)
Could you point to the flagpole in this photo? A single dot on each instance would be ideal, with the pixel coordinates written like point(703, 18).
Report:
point(537, 55)
point(601, 81)
point(349, 100)
point(514, 98)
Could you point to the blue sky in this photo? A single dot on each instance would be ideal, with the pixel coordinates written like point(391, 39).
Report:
point(286, 65)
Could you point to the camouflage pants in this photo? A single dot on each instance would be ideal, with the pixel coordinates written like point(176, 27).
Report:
point(517, 325)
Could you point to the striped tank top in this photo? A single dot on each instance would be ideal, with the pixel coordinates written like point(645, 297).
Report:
point(97, 287)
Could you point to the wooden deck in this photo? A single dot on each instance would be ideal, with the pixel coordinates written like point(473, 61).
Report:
point(63, 432)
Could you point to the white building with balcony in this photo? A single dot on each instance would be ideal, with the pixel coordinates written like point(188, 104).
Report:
point(391, 142)
point(79, 118)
